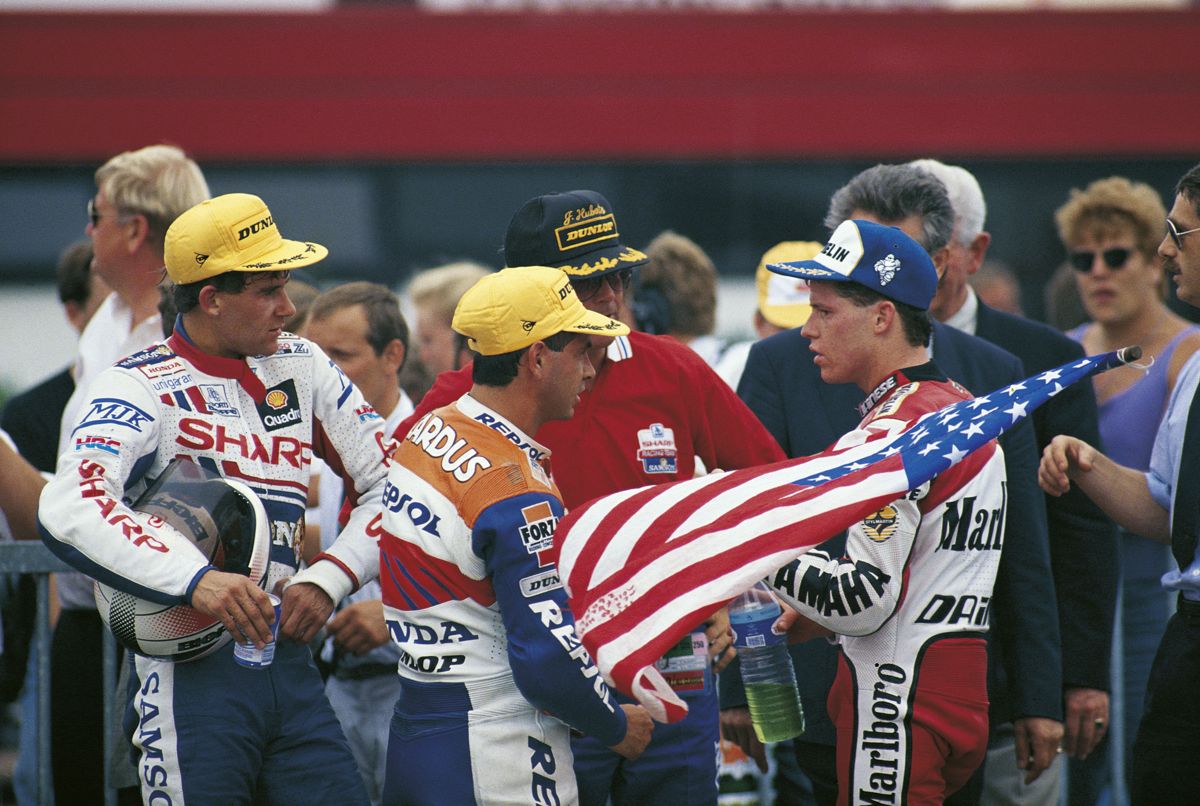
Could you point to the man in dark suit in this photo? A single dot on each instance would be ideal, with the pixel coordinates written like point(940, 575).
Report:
point(1083, 541)
point(783, 387)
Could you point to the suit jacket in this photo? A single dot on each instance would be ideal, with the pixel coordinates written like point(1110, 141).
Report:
point(32, 419)
point(1083, 541)
point(784, 388)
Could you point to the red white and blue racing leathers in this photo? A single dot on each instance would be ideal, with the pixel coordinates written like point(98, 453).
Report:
point(654, 412)
point(909, 604)
point(211, 730)
point(492, 671)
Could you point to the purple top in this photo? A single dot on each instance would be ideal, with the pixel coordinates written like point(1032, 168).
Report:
point(1129, 419)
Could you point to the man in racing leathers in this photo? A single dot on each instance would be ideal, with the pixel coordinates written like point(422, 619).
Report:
point(492, 671)
point(655, 413)
point(231, 392)
point(908, 600)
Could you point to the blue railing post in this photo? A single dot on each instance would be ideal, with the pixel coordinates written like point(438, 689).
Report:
point(28, 557)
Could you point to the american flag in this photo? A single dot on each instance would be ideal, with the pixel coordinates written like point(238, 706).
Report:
point(643, 567)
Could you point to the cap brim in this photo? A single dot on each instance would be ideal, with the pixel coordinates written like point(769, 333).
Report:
point(786, 316)
point(597, 324)
point(288, 255)
point(806, 270)
point(603, 261)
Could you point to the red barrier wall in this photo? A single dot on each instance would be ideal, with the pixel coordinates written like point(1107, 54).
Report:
point(389, 84)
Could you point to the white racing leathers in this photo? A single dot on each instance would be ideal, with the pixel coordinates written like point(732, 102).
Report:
point(908, 602)
point(491, 669)
point(204, 728)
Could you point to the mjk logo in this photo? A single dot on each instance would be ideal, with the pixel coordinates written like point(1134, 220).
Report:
point(111, 411)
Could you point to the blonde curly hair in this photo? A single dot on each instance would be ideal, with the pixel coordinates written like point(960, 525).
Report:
point(1112, 208)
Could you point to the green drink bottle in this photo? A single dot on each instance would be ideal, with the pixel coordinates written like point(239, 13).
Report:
point(766, 666)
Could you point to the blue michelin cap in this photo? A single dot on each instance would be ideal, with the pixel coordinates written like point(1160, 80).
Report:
point(881, 258)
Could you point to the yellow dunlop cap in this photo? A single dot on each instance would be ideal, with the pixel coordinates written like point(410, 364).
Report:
point(512, 308)
point(234, 232)
point(782, 300)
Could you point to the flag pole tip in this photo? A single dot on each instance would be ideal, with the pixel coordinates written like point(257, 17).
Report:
point(1129, 354)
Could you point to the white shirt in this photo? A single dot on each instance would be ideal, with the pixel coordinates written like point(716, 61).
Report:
point(328, 508)
point(733, 363)
point(1165, 462)
point(710, 348)
point(966, 318)
point(108, 337)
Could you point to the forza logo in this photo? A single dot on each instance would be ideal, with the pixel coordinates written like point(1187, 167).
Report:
point(537, 534)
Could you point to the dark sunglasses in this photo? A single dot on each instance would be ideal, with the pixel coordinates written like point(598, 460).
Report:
point(1113, 258)
point(92, 213)
point(1176, 236)
point(588, 287)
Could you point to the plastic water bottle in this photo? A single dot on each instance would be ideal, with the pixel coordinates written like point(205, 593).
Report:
point(766, 666)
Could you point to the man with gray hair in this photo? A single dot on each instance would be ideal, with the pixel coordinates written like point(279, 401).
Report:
point(785, 389)
point(138, 194)
point(1083, 547)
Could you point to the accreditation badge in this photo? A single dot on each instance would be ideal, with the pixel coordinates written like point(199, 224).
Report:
point(684, 664)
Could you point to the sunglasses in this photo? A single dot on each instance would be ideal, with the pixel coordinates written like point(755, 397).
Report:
point(1113, 258)
point(92, 213)
point(589, 287)
point(1176, 236)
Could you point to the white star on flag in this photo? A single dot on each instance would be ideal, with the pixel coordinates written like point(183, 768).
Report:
point(1017, 411)
point(956, 453)
point(1050, 375)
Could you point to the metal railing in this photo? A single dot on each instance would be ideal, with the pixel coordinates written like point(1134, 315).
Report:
point(35, 558)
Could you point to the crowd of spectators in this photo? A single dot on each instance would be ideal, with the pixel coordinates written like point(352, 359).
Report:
point(1079, 608)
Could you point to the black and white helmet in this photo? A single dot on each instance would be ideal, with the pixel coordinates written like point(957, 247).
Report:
point(225, 521)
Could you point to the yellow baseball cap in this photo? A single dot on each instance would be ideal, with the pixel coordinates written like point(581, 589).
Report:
point(512, 308)
point(234, 232)
point(782, 300)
